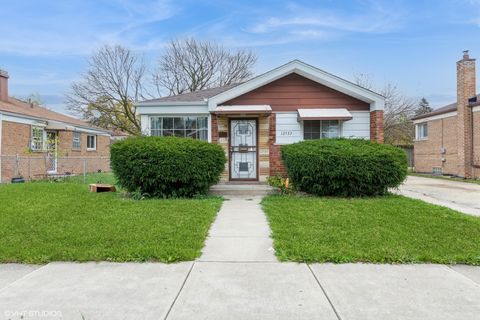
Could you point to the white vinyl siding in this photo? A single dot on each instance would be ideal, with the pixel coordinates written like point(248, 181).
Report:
point(290, 130)
point(358, 127)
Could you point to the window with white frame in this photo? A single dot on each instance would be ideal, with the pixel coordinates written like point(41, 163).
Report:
point(185, 127)
point(422, 131)
point(37, 140)
point(76, 141)
point(321, 129)
point(91, 142)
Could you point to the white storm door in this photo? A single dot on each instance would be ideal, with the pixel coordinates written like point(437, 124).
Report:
point(243, 149)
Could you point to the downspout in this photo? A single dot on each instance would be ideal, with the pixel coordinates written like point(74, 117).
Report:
point(1, 143)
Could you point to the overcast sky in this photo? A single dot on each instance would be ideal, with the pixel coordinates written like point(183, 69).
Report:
point(44, 45)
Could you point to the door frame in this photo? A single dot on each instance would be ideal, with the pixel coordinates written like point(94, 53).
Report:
point(230, 152)
point(54, 154)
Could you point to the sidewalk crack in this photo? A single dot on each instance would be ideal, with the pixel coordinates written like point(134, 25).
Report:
point(179, 291)
point(325, 293)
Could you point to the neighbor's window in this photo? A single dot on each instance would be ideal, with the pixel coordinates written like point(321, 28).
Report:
point(91, 142)
point(185, 127)
point(319, 129)
point(37, 139)
point(422, 130)
point(76, 141)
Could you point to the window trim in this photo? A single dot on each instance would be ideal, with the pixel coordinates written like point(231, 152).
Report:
point(33, 147)
point(74, 147)
point(94, 148)
point(339, 130)
point(159, 131)
point(418, 131)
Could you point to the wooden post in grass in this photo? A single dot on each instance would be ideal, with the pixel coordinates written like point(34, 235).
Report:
point(84, 170)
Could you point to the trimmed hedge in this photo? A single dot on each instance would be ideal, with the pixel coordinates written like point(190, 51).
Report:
point(344, 167)
point(167, 166)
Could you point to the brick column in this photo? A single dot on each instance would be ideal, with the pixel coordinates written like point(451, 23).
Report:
point(214, 129)
point(276, 163)
point(376, 126)
point(465, 90)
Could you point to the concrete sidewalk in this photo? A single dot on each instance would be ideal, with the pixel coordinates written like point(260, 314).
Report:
point(460, 196)
point(238, 277)
point(238, 290)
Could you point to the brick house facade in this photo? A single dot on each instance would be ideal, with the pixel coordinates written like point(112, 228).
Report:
point(35, 141)
point(252, 120)
point(448, 139)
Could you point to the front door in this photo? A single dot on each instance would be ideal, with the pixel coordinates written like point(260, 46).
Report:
point(243, 149)
point(52, 152)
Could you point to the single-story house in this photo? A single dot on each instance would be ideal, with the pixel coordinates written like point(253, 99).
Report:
point(447, 140)
point(35, 141)
point(253, 119)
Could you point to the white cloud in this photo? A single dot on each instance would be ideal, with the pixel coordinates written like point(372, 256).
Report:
point(77, 27)
point(372, 18)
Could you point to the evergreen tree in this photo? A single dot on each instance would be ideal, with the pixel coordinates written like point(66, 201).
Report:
point(423, 107)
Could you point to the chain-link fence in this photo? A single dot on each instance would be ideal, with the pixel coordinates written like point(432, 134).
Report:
point(45, 166)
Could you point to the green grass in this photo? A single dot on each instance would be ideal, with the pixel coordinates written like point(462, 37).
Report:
point(390, 229)
point(45, 221)
point(426, 175)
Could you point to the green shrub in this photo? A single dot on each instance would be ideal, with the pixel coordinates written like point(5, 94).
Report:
point(344, 167)
point(283, 184)
point(167, 166)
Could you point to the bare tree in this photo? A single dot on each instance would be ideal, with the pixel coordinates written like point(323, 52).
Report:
point(106, 93)
point(399, 109)
point(190, 65)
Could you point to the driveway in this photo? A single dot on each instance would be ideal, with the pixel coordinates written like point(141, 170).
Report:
point(460, 196)
point(238, 277)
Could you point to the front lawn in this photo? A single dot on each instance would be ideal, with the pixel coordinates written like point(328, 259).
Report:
point(45, 221)
point(390, 229)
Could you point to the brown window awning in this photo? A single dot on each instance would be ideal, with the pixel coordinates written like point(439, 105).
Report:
point(324, 114)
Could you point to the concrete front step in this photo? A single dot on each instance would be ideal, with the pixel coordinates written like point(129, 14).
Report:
point(242, 189)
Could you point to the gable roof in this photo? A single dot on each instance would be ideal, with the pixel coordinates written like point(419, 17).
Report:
point(442, 110)
point(219, 95)
point(22, 108)
point(195, 96)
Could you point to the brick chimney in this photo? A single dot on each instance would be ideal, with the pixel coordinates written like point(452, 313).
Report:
point(466, 88)
point(3, 85)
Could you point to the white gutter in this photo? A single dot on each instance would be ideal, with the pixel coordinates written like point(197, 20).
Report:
point(1, 142)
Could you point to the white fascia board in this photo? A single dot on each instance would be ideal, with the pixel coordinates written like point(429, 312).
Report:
point(436, 117)
point(11, 117)
point(169, 103)
point(173, 109)
point(376, 101)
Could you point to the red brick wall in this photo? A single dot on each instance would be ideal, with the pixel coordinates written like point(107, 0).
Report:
point(276, 163)
point(15, 141)
point(376, 126)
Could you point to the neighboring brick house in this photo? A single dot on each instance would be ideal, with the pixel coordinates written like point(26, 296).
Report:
point(35, 141)
point(252, 120)
point(447, 140)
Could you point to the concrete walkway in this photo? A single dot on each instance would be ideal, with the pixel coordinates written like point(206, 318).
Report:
point(460, 196)
point(240, 233)
point(238, 277)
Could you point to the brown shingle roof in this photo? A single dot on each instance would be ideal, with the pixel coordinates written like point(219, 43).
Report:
point(199, 95)
point(31, 110)
point(448, 108)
